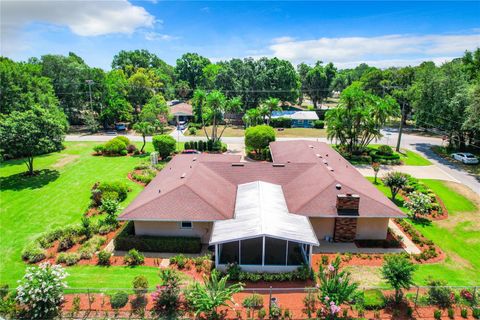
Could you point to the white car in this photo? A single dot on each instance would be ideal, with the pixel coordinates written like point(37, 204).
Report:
point(465, 157)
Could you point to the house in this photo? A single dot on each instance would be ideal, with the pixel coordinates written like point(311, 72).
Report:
point(181, 111)
point(300, 119)
point(263, 216)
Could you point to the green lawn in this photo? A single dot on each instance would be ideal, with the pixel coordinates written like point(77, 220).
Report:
point(57, 197)
point(458, 236)
point(408, 157)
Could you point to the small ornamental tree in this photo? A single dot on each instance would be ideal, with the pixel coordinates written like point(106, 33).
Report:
point(41, 291)
point(396, 181)
point(164, 145)
point(31, 133)
point(145, 129)
point(205, 299)
point(418, 204)
point(398, 271)
point(166, 298)
point(336, 287)
point(259, 137)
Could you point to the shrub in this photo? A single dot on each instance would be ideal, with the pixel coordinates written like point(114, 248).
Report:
point(140, 284)
point(319, 124)
point(104, 258)
point(259, 137)
point(166, 298)
point(123, 139)
point(133, 258)
point(131, 148)
point(385, 150)
point(99, 148)
point(440, 295)
point(110, 206)
point(281, 122)
point(398, 271)
point(69, 258)
point(114, 147)
point(119, 187)
point(233, 271)
point(66, 242)
point(451, 313)
point(127, 240)
point(373, 299)
point(145, 176)
point(464, 313)
point(164, 144)
point(437, 314)
point(476, 312)
point(33, 253)
point(192, 131)
point(396, 181)
point(255, 301)
point(123, 152)
point(262, 313)
point(41, 291)
point(118, 299)
point(91, 246)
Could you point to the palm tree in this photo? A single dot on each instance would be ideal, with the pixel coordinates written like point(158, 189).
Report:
point(214, 109)
point(208, 297)
point(271, 104)
point(198, 101)
point(252, 117)
point(145, 128)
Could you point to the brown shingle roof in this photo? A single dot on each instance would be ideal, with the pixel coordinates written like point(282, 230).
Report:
point(207, 190)
point(182, 108)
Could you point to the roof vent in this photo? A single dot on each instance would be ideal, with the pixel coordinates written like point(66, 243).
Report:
point(318, 155)
point(159, 190)
point(275, 165)
point(183, 175)
point(325, 161)
point(310, 146)
point(194, 159)
point(330, 168)
point(238, 164)
point(338, 186)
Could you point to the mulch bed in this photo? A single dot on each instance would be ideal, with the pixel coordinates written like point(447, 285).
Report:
point(130, 177)
point(434, 215)
point(386, 244)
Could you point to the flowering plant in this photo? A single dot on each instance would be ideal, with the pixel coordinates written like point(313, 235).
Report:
point(41, 290)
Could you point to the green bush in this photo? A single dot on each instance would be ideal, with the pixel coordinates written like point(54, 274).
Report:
point(259, 137)
point(451, 313)
point(127, 240)
point(464, 313)
point(119, 187)
point(89, 247)
point(131, 148)
point(255, 301)
point(164, 144)
point(437, 314)
point(66, 242)
point(123, 139)
point(476, 312)
point(179, 260)
point(114, 147)
point(373, 299)
point(140, 284)
point(439, 294)
point(319, 124)
point(145, 176)
point(69, 258)
point(385, 150)
point(33, 253)
point(99, 148)
point(281, 122)
point(133, 258)
point(192, 131)
point(119, 300)
point(104, 258)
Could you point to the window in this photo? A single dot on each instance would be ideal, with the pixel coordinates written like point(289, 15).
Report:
point(275, 251)
point(295, 255)
point(186, 225)
point(228, 252)
point(251, 251)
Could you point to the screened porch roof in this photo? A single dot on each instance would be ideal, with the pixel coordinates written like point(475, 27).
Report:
point(261, 210)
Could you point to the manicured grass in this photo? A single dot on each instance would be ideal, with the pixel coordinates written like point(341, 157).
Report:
point(56, 197)
point(458, 236)
point(410, 158)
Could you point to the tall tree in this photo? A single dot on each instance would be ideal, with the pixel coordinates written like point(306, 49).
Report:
point(190, 68)
point(198, 101)
point(116, 106)
point(155, 112)
point(214, 110)
point(271, 104)
point(318, 82)
point(33, 132)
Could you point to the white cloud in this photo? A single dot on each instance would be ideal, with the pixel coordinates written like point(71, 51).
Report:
point(380, 50)
point(283, 40)
point(154, 36)
point(83, 18)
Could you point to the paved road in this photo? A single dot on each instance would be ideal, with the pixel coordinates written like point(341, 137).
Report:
point(443, 169)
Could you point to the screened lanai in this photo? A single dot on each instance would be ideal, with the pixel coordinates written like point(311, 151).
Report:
point(263, 235)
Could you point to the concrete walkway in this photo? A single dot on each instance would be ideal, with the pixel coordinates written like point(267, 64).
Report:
point(420, 172)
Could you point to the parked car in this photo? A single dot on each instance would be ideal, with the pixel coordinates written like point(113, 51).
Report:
point(120, 126)
point(465, 157)
point(190, 151)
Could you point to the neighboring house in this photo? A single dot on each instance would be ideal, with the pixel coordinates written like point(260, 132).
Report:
point(261, 215)
point(300, 119)
point(181, 111)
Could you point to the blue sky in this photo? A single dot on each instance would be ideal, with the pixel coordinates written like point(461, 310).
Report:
point(347, 33)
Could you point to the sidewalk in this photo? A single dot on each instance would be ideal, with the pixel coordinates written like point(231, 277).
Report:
point(420, 172)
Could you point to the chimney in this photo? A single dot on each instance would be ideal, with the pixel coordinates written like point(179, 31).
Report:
point(347, 204)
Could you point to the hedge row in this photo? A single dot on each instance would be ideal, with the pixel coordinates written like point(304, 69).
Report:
point(208, 145)
point(127, 240)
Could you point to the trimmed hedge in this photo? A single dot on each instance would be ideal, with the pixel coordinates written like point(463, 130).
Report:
point(127, 240)
point(281, 122)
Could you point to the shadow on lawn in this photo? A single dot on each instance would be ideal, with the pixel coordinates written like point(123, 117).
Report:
point(21, 181)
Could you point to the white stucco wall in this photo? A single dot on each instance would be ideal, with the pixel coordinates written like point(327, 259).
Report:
point(323, 227)
point(167, 228)
point(372, 228)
